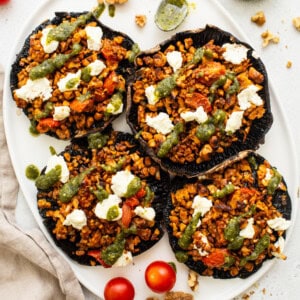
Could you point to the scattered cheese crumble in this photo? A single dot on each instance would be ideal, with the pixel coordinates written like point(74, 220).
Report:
point(234, 122)
point(34, 89)
point(76, 219)
point(51, 46)
point(61, 112)
point(174, 59)
point(94, 37)
point(161, 123)
point(235, 53)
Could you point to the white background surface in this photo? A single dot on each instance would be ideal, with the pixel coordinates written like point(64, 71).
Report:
point(283, 280)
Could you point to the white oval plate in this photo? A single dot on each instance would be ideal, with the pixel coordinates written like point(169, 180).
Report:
point(25, 149)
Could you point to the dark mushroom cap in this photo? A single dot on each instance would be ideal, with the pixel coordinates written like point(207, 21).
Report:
point(79, 152)
point(259, 126)
point(281, 201)
point(123, 69)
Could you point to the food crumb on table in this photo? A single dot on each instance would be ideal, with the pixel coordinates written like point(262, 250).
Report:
point(259, 18)
point(296, 23)
point(112, 1)
point(178, 296)
point(268, 37)
point(141, 20)
point(193, 282)
point(289, 64)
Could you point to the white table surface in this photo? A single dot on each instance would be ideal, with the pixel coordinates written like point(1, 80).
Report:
point(283, 280)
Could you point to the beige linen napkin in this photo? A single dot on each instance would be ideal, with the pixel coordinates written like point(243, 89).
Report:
point(30, 268)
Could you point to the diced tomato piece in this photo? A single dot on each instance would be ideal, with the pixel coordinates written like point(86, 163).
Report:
point(141, 193)
point(216, 258)
point(210, 72)
point(97, 255)
point(126, 215)
point(196, 100)
point(81, 106)
point(111, 82)
point(132, 201)
point(46, 124)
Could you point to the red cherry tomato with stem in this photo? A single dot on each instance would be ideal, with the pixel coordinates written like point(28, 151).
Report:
point(160, 276)
point(119, 288)
point(3, 1)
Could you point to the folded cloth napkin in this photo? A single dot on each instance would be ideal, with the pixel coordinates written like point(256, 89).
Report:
point(30, 268)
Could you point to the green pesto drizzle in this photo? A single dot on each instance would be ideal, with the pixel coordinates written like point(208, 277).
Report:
point(64, 30)
point(32, 172)
point(46, 112)
point(111, 10)
point(46, 181)
point(165, 86)
point(70, 188)
point(97, 140)
point(111, 254)
point(171, 140)
point(49, 65)
point(185, 240)
point(100, 193)
point(115, 166)
point(274, 182)
point(260, 247)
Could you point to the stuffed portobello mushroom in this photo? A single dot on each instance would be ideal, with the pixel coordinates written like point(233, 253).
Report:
point(101, 199)
point(198, 99)
point(70, 77)
point(228, 223)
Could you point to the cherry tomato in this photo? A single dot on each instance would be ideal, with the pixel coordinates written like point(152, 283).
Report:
point(119, 288)
point(3, 1)
point(160, 276)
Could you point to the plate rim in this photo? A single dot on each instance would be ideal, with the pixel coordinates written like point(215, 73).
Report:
point(244, 283)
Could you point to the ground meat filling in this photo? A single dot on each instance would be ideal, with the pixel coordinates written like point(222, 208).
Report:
point(200, 94)
point(94, 93)
point(224, 226)
point(126, 226)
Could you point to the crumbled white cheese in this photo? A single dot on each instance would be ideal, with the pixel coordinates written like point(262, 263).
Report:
point(58, 160)
point(61, 112)
point(279, 223)
point(111, 108)
point(199, 115)
point(201, 204)
point(103, 207)
point(94, 37)
point(204, 240)
point(268, 174)
point(248, 232)
point(124, 260)
point(235, 53)
point(35, 88)
point(249, 96)
point(150, 94)
point(174, 58)
point(76, 219)
point(51, 46)
point(147, 213)
point(120, 182)
point(70, 82)
point(161, 123)
point(96, 67)
point(280, 243)
point(234, 122)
